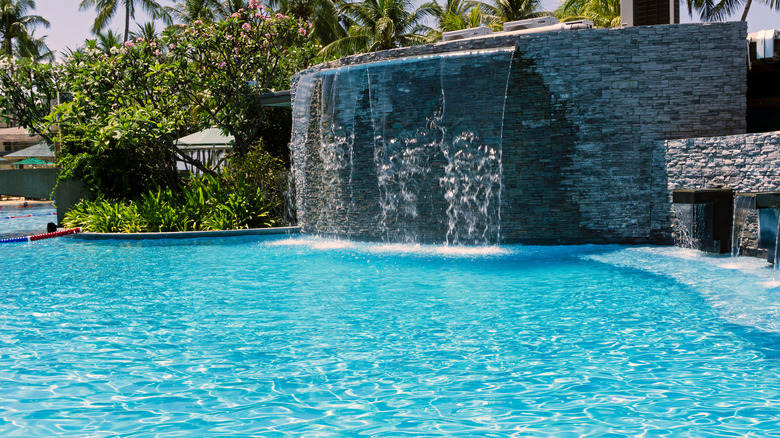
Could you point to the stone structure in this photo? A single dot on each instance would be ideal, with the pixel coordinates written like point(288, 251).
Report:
point(745, 163)
point(584, 127)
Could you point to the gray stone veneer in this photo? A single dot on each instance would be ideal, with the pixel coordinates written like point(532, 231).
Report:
point(587, 119)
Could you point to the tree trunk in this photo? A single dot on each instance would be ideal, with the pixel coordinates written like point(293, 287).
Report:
point(747, 8)
point(127, 18)
point(7, 46)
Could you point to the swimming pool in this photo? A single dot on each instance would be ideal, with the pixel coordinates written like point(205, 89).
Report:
point(17, 221)
point(298, 335)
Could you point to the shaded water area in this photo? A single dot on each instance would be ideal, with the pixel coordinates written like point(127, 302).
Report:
point(429, 171)
point(292, 336)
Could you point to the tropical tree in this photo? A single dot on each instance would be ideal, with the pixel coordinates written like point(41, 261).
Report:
point(224, 67)
point(35, 48)
point(108, 40)
point(455, 15)
point(710, 10)
point(603, 13)
point(17, 26)
point(513, 10)
point(229, 7)
point(146, 31)
point(27, 88)
point(324, 15)
point(106, 9)
point(380, 25)
point(188, 11)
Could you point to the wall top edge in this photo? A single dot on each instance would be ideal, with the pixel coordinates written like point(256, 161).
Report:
point(718, 31)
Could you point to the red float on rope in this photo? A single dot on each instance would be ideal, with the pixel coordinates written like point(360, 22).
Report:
point(55, 234)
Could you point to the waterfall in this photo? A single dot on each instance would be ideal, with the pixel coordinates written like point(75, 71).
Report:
point(742, 208)
point(684, 219)
point(302, 100)
point(403, 150)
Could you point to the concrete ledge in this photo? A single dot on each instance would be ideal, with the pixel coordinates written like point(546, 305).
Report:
point(186, 234)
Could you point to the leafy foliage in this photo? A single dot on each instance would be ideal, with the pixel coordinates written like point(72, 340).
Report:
point(380, 25)
point(16, 30)
point(603, 13)
point(721, 10)
point(106, 9)
point(128, 104)
point(223, 67)
point(26, 91)
point(248, 195)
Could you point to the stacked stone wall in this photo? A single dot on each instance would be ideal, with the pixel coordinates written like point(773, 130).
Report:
point(744, 163)
point(587, 117)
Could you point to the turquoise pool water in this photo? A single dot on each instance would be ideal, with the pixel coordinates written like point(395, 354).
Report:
point(303, 336)
point(17, 222)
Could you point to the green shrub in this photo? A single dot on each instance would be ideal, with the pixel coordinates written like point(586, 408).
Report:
point(205, 203)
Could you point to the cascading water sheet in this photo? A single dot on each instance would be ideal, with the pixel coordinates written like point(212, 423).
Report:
point(407, 150)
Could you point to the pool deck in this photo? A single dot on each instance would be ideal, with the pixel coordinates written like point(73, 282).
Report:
point(186, 234)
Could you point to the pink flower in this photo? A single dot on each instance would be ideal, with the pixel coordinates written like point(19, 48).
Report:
point(172, 46)
point(129, 44)
point(222, 64)
point(246, 26)
point(139, 39)
point(235, 15)
point(253, 4)
point(197, 22)
point(157, 53)
point(278, 15)
point(302, 31)
point(153, 44)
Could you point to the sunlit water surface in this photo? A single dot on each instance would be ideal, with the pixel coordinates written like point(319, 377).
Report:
point(287, 336)
point(17, 221)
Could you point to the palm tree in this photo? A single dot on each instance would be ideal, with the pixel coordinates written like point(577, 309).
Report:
point(228, 7)
point(603, 13)
point(35, 49)
point(106, 9)
point(513, 10)
point(16, 27)
point(710, 10)
point(455, 15)
point(379, 25)
point(327, 25)
point(146, 31)
point(188, 11)
point(107, 41)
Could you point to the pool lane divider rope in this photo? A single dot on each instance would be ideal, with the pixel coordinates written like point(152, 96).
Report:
point(42, 236)
point(27, 215)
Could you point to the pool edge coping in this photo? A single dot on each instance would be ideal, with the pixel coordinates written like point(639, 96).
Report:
point(186, 234)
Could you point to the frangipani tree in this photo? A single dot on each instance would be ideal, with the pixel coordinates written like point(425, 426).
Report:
point(128, 105)
point(223, 67)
